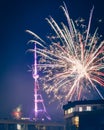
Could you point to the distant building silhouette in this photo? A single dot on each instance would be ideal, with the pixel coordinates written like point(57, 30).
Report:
point(84, 115)
point(7, 124)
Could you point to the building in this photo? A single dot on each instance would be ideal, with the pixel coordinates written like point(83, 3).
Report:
point(84, 115)
point(7, 124)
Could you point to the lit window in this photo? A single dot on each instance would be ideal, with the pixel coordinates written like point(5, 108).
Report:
point(80, 109)
point(88, 108)
point(66, 112)
point(18, 127)
point(70, 110)
point(76, 121)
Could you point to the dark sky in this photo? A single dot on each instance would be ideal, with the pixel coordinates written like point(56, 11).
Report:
point(16, 83)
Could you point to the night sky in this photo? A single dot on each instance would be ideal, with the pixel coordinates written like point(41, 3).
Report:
point(16, 16)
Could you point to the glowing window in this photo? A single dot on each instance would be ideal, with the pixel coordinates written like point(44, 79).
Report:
point(80, 109)
point(70, 110)
point(66, 112)
point(88, 108)
point(18, 127)
point(76, 121)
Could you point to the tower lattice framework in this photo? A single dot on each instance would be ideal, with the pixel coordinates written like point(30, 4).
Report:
point(40, 112)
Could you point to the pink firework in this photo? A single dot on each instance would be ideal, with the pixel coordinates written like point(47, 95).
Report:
point(72, 65)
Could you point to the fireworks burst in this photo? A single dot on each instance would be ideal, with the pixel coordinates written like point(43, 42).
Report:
point(73, 64)
point(17, 112)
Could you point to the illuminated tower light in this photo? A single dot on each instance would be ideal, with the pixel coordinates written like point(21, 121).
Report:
point(39, 108)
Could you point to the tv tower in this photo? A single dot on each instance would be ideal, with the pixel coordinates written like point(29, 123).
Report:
point(39, 107)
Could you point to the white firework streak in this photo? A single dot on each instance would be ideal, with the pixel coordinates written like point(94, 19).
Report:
point(73, 63)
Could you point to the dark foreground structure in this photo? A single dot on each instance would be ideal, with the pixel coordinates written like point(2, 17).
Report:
point(29, 125)
point(84, 115)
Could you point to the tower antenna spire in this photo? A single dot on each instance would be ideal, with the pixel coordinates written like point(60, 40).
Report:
point(39, 107)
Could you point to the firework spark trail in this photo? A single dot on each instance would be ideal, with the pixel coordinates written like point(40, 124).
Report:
point(89, 25)
point(73, 64)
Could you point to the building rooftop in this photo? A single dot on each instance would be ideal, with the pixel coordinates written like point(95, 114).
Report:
point(82, 102)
